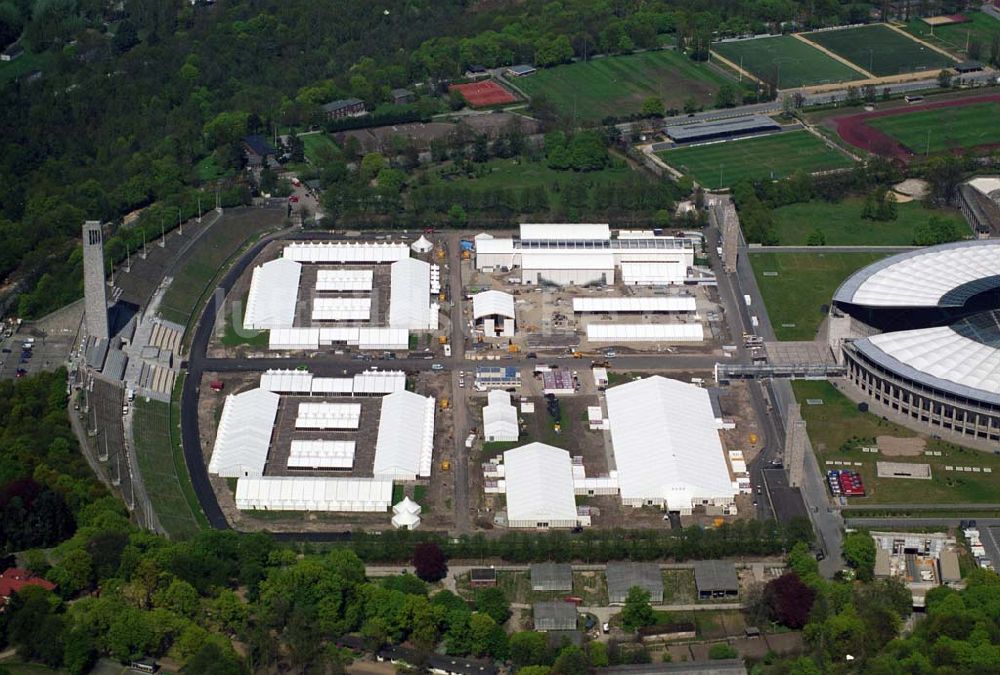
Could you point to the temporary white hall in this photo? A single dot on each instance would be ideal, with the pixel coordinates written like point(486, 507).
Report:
point(645, 332)
point(292, 493)
point(499, 418)
point(303, 383)
point(321, 453)
point(405, 445)
point(244, 435)
point(410, 296)
point(274, 288)
point(494, 310)
point(655, 305)
point(406, 514)
point(539, 485)
point(362, 337)
point(343, 252)
point(344, 280)
point(328, 416)
point(342, 309)
point(667, 447)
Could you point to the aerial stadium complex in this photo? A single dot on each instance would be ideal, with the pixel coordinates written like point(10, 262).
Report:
point(919, 333)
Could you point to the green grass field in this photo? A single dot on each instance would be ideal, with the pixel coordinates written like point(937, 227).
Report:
point(944, 128)
point(25, 64)
point(838, 420)
point(880, 50)
point(804, 284)
point(980, 28)
point(842, 225)
point(775, 156)
point(163, 470)
point(617, 85)
point(319, 148)
point(800, 64)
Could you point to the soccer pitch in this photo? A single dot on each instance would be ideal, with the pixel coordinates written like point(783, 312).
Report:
point(880, 50)
point(617, 85)
point(943, 128)
point(774, 156)
point(786, 60)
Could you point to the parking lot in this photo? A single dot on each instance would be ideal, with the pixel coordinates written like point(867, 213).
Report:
point(51, 340)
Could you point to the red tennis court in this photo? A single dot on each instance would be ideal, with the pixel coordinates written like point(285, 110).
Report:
point(486, 93)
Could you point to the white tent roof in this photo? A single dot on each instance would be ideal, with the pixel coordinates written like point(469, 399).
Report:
point(321, 453)
point(539, 481)
point(672, 303)
point(410, 295)
point(292, 493)
point(379, 382)
point(406, 505)
point(344, 280)
point(929, 277)
point(273, 290)
point(499, 415)
point(405, 443)
point(293, 338)
point(244, 435)
point(287, 381)
point(342, 309)
point(489, 303)
point(666, 442)
point(328, 416)
point(569, 231)
point(363, 337)
point(567, 260)
point(645, 332)
point(346, 252)
point(422, 245)
point(408, 520)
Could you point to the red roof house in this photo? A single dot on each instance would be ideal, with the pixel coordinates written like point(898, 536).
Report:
point(14, 579)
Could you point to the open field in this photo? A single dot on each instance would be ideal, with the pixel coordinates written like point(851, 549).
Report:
point(787, 61)
point(980, 28)
point(838, 420)
point(880, 50)
point(617, 85)
point(882, 131)
point(319, 148)
point(28, 62)
point(803, 287)
point(774, 156)
point(946, 128)
point(842, 225)
point(163, 470)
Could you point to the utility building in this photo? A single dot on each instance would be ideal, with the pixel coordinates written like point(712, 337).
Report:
point(493, 313)
point(95, 297)
point(622, 576)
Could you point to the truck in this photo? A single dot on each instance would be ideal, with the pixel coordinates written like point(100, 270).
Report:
point(746, 299)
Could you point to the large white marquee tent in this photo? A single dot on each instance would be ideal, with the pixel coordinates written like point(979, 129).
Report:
point(405, 444)
point(274, 288)
point(244, 435)
point(283, 493)
point(539, 486)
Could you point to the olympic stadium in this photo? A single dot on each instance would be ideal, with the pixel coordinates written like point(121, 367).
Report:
point(924, 335)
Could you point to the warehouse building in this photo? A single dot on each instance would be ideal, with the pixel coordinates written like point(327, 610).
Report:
point(551, 577)
point(244, 434)
point(274, 288)
point(405, 444)
point(716, 579)
point(282, 493)
point(499, 418)
point(623, 576)
point(493, 313)
point(700, 132)
point(539, 487)
point(581, 254)
point(558, 615)
point(410, 304)
point(497, 377)
point(343, 253)
point(667, 445)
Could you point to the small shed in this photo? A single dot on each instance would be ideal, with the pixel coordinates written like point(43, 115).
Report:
point(554, 616)
point(882, 566)
point(948, 564)
point(622, 576)
point(482, 577)
point(716, 579)
point(551, 577)
point(521, 70)
point(402, 96)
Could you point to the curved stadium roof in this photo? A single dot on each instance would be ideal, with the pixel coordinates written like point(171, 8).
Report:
point(941, 276)
point(962, 359)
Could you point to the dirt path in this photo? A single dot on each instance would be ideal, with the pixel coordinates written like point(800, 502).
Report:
point(736, 68)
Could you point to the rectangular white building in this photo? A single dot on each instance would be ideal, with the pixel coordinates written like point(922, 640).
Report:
point(362, 337)
point(499, 418)
point(345, 280)
point(655, 305)
point(321, 454)
point(344, 252)
point(493, 312)
point(342, 309)
point(291, 493)
point(539, 486)
point(274, 288)
point(667, 445)
point(243, 438)
point(410, 304)
point(645, 332)
point(328, 416)
point(405, 445)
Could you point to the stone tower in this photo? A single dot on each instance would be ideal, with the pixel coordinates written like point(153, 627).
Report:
point(95, 298)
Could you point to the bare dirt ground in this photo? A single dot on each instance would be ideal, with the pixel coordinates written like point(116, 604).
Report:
point(893, 446)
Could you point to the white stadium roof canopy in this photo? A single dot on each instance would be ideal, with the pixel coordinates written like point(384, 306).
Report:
point(244, 435)
point(405, 445)
point(410, 296)
point(344, 280)
point(321, 453)
point(645, 332)
point(274, 288)
point(539, 485)
point(291, 493)
point(666, 443)
point(489, 303)
point(672, 303)
point(346, 252)
point(567, 231)
point(940, 276)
